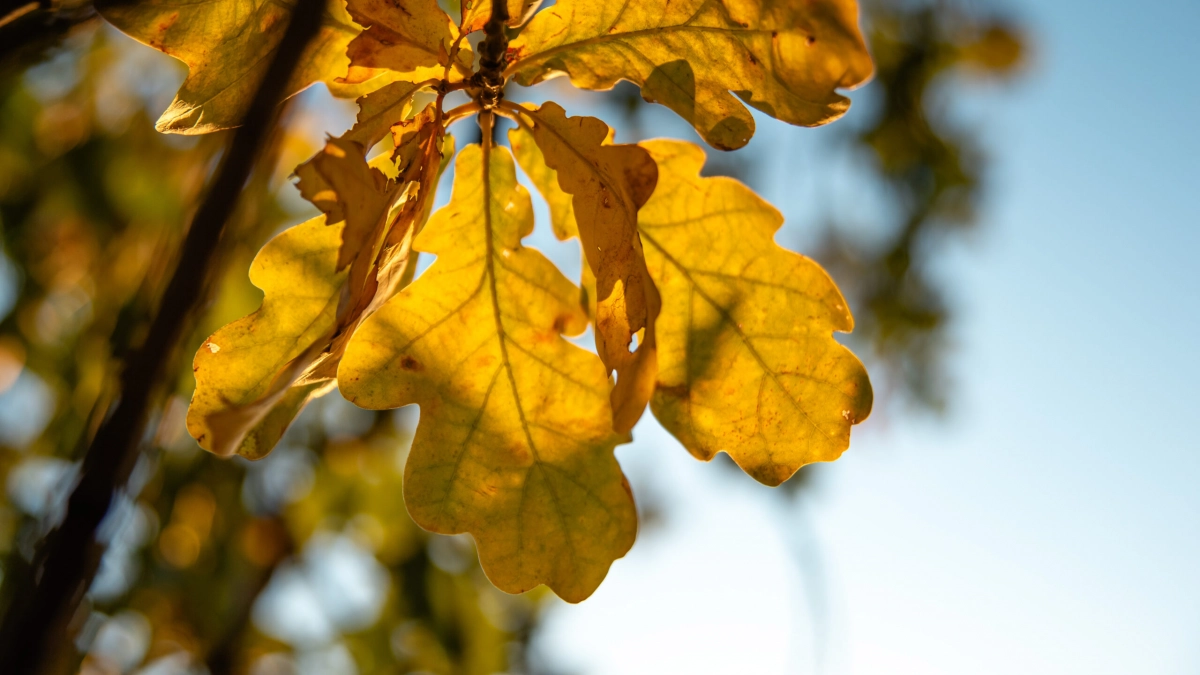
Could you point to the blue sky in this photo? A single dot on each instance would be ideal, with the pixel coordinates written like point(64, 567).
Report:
point(1051, 524)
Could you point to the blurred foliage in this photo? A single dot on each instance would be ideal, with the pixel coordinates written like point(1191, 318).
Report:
point(933, 171)
point(304, 563)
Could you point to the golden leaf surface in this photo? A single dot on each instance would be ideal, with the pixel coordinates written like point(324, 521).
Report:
point(783, 57)
point(475, 13)
point(608, 184)
point(515, 441)
point(246, 371)
point(255, 375)
point(226, 45)
point(413, 38)
point(747, 360)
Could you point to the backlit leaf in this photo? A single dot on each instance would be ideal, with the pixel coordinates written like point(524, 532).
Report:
point(226, 45)
point(747, 361)
point(785, 58)
point(249, 368)
point(414, 38)
point(379, 110)
point(608, 184)
point(255, 375)
point(515, 441)
point(475, 13)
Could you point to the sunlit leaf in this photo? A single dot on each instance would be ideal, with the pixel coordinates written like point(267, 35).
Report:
point(248, 368)
point(226, 45)
point(342, 185)
point(515, 443)
point(256, 374)
point(475, 13)
point(747, 360)
point(786, 59)
point(608, 184)
point(380, 110)
point(545, 179)
point(414, 38)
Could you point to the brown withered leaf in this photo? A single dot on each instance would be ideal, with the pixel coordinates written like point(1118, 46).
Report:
point(608, 184)
point(413, 38)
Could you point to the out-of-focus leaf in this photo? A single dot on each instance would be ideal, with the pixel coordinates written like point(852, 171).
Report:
point(748, 363)
point(413, 38)
point(267, 366)
point(515, 443)
point(226, 45)
point(608, 184)
point(786, 59)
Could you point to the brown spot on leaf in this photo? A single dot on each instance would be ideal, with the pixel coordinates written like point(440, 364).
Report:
point(409, 363)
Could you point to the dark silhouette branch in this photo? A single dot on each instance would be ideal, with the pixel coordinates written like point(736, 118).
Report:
point(34, 634)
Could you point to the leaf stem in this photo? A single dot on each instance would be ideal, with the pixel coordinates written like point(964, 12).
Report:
point(454, 114)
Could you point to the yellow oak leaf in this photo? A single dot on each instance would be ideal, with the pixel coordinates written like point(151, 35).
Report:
point(747, 360)
point(515, 440)
point(414, 38)
point(608, 184)
point(545, 179)
point(255, 375)
point(783, 57)
point(475, 13)
point(249, 369)
point(226, 45)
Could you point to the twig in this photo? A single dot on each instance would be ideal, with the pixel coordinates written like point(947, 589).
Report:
point(493, 56)
point(34, 631)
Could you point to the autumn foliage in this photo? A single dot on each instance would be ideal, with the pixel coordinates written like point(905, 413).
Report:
point(697, 313)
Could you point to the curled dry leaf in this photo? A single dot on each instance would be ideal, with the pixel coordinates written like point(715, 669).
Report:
point(784, 58)
point(747, 360)
point(608, 184)
point(515, 442)
point(413, 38)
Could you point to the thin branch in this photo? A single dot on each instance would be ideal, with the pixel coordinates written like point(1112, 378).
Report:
point(493, 56)
point(34, 633)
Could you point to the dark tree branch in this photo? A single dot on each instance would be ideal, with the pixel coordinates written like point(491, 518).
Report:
point(34, 633)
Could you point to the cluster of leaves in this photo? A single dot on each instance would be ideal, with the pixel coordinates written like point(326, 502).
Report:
point(92, 204)
point(726, 336)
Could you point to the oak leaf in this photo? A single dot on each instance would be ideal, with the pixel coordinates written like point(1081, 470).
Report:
point(515, 440)
point(255, 375)
point(226, 45)
point(475, 13)
point(784, 58)
point(747, 360)
point(608, 184)
point(413, 38)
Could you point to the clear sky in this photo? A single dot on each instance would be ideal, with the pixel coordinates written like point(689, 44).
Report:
point(1051, 524)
